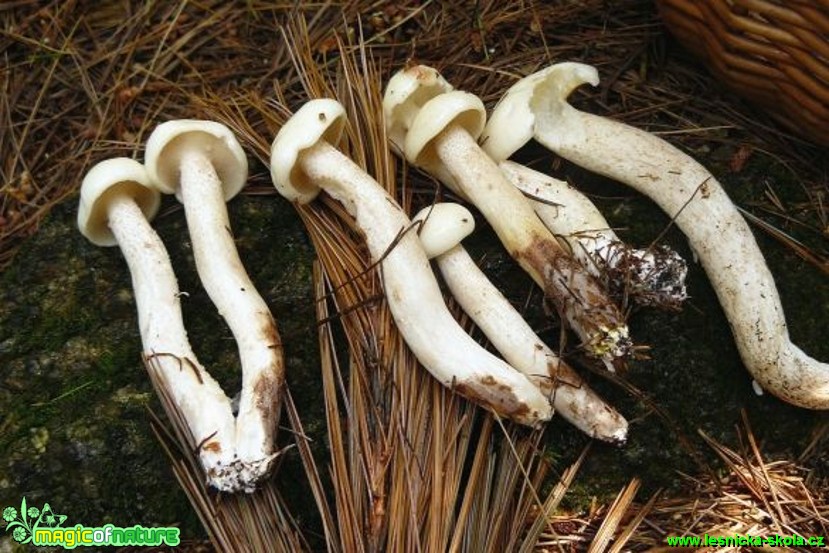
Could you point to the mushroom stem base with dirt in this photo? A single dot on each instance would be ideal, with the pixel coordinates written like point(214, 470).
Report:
point(654, 276)
point(575, 293)
point(202, 403)
point(248, 317)
point(508, 332)
point(723, 243)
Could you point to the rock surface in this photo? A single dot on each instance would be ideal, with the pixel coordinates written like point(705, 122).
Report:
point(74, 426)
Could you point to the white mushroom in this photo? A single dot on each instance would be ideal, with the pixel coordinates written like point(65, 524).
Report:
point(437, 132)
point(303, 161)
point(116, 203)
point(443, 226)
point(654, 276)
point(536, 107)
point(204, 165)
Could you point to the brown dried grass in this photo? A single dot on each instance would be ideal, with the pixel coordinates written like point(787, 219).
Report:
point(84, 80)
point(750, 496)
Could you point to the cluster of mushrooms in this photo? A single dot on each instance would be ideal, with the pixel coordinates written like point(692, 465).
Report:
point(203, 164)
point(554, 232)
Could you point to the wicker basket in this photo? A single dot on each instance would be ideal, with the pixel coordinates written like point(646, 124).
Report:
point(772, 52)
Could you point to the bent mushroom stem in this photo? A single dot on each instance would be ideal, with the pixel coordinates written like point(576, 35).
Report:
point(202, 162)
point(248, 317)
point(443, 226)
point(654, 276)
point(110, 214)
point(436, 129)
point(537, 107)
point(303, 161)
point(577, 295)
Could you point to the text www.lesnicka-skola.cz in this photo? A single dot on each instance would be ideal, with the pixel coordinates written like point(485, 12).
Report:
point(735, 540)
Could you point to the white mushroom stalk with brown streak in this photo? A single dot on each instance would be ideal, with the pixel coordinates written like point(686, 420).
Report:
point(654, 276)
point(204, 165)
point(442, 228)
point(436, 128)
point(537, 107)
point(115, 207)
point(304, 161)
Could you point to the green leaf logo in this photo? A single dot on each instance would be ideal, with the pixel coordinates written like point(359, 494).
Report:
point(19, 534)
point(9, 514)
point(21, 530)
point(24, 522)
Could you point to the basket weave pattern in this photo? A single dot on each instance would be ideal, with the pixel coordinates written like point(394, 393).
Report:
point(774, 53)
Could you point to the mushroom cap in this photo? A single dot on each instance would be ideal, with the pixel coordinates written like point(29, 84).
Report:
point(512, 123)
point(443, 227)
point(405, 94)
point(109, 179)
point(455, 107)
point(320, 119)
point(170, 140)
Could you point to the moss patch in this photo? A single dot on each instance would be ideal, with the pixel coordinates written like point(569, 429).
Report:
point(73, 392)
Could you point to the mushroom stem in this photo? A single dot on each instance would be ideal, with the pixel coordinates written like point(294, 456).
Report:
point(231, 290)
point(303, 161)
point(688, 193)
point(415, 301)
point(654, 276)
point(572, 289)
point(443, 226)
point(436, 128)
point(200, 400)
point(523, 349)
